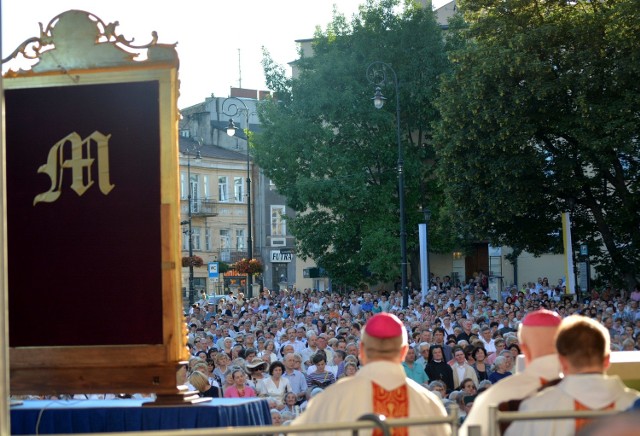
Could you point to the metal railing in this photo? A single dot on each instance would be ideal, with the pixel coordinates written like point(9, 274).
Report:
point(496, 416)
point(201, 207)
point(367, 422)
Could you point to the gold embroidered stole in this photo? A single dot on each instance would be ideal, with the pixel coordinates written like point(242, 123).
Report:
point(391, 404)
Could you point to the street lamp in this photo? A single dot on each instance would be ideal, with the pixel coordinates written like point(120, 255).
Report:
point(231, 107)
point(190, 232)
point(377, 76)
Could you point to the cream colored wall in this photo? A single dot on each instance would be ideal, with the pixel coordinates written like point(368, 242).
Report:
point(531, 267)
point(441, 264)
point(301, 282)
point(445, 12)
point(231, 215)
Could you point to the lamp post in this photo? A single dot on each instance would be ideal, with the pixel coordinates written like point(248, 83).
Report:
point(231, 107)
point(188, 222)
point(377, 76)
point(571, 203)
point(427, 217)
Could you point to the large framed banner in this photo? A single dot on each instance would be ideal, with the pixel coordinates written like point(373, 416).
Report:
point(92, 208)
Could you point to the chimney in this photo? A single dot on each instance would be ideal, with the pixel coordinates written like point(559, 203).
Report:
point(244, 93)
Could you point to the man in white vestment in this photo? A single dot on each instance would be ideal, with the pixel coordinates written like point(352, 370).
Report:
point(536, 337)
point(380, 386)
point(584, 350)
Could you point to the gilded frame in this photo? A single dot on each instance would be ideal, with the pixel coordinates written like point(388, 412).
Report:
point(135, 368)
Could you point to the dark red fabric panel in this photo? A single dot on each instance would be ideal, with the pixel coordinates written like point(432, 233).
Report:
point(84, 270)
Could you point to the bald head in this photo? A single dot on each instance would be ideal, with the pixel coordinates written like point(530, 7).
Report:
point(391, 349)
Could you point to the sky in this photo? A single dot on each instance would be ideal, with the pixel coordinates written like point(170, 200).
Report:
point(209, 33)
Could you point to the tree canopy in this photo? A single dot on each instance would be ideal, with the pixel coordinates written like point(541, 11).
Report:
point(540, 114)
point(334, 156)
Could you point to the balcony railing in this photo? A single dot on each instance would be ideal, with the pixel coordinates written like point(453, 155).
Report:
point(225, 255)
point(200, 207)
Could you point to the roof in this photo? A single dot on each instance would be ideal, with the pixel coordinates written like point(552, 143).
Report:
point(211, 151)
point(222, 125)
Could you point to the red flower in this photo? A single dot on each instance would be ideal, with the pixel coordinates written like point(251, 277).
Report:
point(196, 261)
point(251, 267)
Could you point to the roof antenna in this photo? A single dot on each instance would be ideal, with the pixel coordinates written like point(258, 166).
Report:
point(239, 71)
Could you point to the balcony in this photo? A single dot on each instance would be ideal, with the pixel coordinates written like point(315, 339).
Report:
point(230, 256)
point(199, 207)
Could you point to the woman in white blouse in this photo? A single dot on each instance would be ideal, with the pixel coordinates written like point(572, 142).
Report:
point(275, 387)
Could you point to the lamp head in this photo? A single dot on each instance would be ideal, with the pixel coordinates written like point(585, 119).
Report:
point(231, 128)
point(378, 98)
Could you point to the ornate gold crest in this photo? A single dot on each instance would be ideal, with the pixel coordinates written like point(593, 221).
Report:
point(79, 40)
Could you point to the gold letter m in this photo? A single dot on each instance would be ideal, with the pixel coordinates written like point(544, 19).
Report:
point(56, 163)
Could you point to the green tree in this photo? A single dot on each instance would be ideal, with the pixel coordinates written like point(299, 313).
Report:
point(540, 115)
point(334, 156)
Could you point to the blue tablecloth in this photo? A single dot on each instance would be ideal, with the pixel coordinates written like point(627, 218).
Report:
point(91, 416)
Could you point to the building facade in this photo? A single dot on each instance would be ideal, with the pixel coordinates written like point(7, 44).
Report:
point(219, 182)
point(215, 178)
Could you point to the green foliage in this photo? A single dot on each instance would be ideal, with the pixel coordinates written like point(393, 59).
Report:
point(223, 267)
point(334, 156)
point(542, 108)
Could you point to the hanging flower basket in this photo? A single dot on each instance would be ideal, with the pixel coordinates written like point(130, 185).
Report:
point(196, 261)
point(251, 267)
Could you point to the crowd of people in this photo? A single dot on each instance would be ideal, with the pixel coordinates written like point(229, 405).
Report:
point(458, 347)
point(291, 345)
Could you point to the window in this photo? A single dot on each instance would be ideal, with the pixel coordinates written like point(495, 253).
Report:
point(238, 189)
point(185, 238)
point(196, 238)
point(240, 239)
point(225, 245)
point(207, 239)
point(183, 186)
point(223, 188)
point(278, 223)
point(195, 193)
point(205, 187)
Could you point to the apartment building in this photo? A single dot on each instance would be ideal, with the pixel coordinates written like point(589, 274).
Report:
point(220, 225)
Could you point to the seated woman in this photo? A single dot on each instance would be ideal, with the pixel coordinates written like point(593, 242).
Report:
point(275, 386)
point(321, 377)
point(499, 370)
point(268, 354)
point(437, 368)
point(222, 365)
point(515, 350)
point(256, 368)
point(201, 382)
point(239, 389)
point(480, 366)
point(439, 388)
point(350, 370)
point(290, 400)
point(467, 387)
point(204, 368)
point(276, 418)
